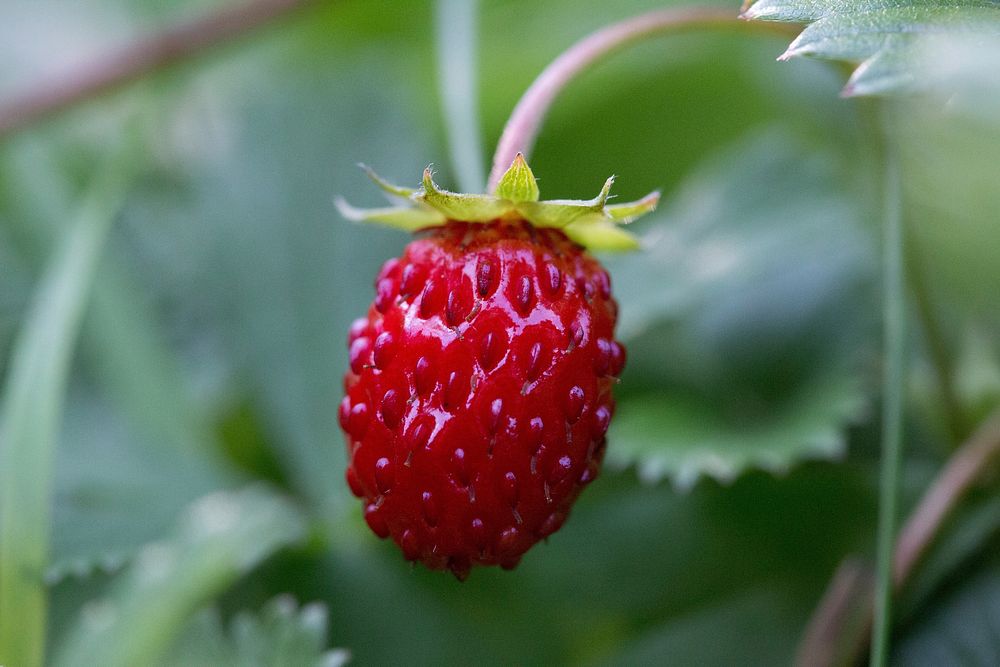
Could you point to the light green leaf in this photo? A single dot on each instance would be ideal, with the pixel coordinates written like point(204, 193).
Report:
point(281, 635)
point(221, 537)
point(885, 37)
point(32, 410)
point(518, 183)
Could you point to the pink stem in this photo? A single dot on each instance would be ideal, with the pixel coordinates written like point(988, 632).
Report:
point(522, 128)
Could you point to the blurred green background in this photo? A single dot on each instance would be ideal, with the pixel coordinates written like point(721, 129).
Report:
point(743, 461)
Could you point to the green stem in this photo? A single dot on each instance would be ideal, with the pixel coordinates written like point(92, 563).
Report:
point(456, 22)
point(31, 413)
point(894, 313)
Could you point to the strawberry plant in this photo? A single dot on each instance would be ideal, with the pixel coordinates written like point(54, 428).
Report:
point(795, 461)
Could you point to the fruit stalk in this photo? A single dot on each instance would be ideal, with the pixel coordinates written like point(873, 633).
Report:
point(522, 127)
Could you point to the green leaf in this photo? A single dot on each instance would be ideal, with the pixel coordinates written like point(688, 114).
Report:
point(32, 410)
point(281, 635)
point(743, 320)
point(886, 38)
point(518, 183)
point(221, 537)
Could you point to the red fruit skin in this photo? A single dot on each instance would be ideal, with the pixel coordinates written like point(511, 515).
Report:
point(478, 395)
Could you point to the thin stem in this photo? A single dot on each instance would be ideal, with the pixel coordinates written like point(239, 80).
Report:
point(522, 128)
point(456, 22)
point(894, 313)
point(155, 52)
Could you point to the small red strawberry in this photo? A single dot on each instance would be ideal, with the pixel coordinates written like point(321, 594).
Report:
point(479, 388)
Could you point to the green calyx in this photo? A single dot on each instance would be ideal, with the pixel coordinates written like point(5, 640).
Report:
point(592, 223)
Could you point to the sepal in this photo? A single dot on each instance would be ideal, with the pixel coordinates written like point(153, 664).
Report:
point(592, 223)
point(518, 184)
point(405, 218)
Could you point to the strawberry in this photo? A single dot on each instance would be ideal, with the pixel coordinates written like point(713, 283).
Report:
point(479, 391)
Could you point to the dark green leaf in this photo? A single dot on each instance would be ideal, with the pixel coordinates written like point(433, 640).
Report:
point(681, 438)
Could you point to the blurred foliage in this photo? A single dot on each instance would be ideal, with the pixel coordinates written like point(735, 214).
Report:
point(282, 635)
point(214, 342)
point(746, 308)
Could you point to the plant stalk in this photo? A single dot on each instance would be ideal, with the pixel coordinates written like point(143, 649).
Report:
point(525, 121)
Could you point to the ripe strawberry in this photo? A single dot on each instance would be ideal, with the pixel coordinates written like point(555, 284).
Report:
point(479, 388)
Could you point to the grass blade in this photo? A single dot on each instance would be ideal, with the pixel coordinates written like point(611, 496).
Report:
point(893, 379)
point(30, 416)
